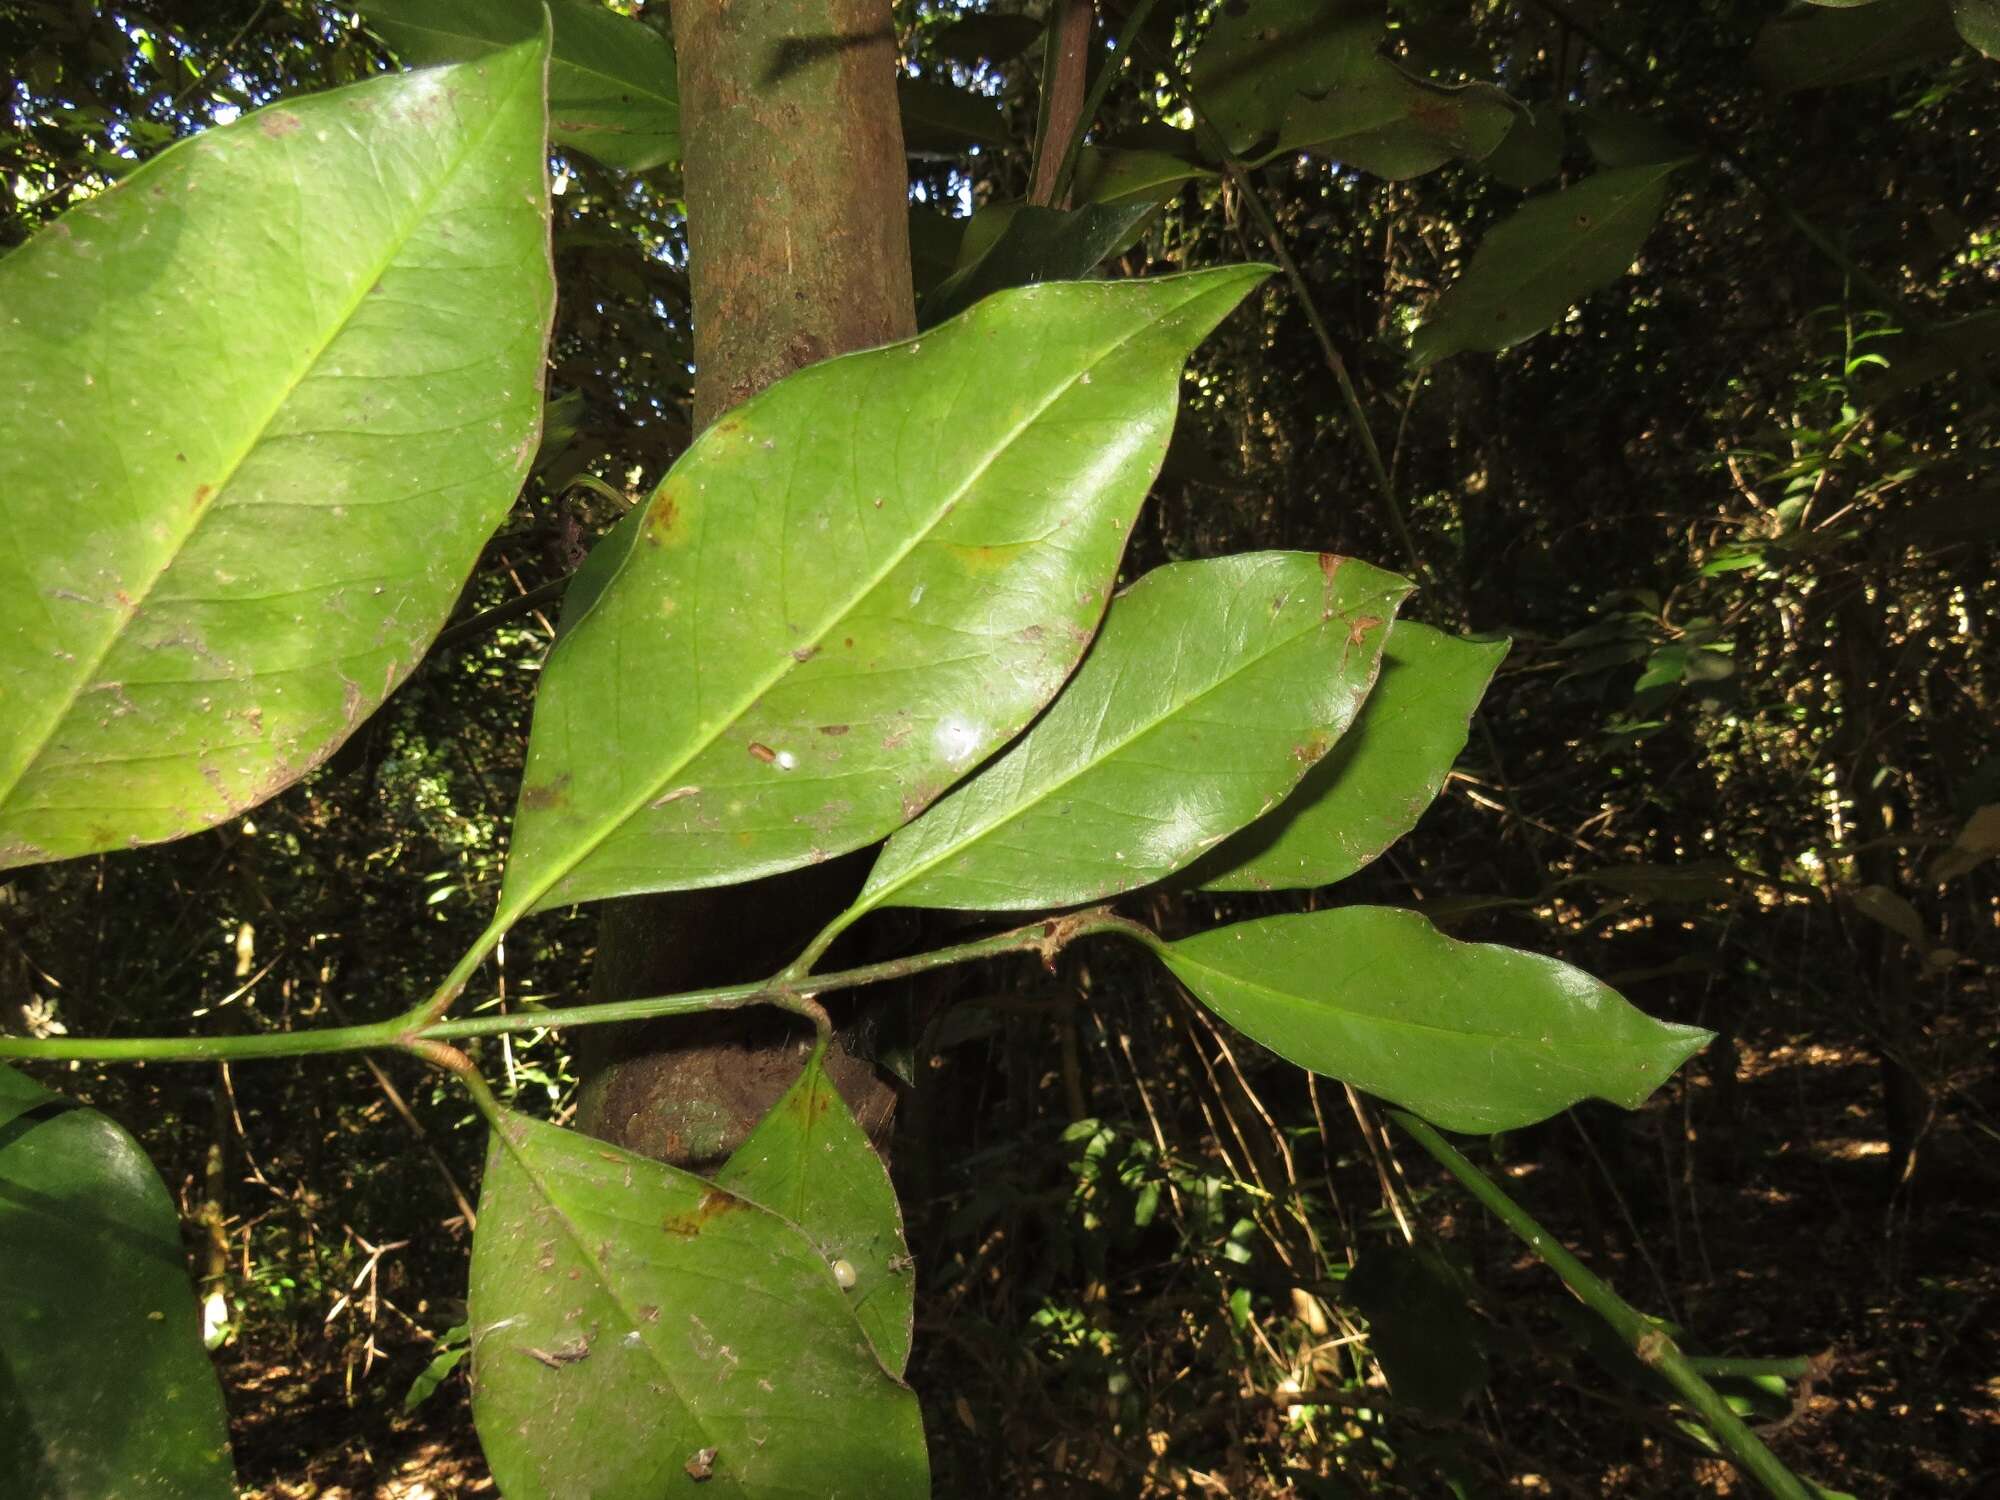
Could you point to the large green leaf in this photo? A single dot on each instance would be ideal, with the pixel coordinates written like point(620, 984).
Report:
point(265, 400)
point(1475, 1037)
point(634, 1326)
point(939, 120)
point(614, 93)
point(1555, 250)
point(1289, 75)
point(1214, 687)
point(1040, 244)
point(104, 1388)
point(1375, 784)
point(849, 591)
point(1820, 47)
point(809, 1161)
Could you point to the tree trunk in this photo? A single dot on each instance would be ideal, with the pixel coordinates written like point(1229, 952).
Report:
point(798, 230)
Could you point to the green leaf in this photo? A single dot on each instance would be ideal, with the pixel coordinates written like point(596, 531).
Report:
point(1699, 881)
point(1626, 138)
point(811, 1163)
point(452, 1349)
point(1039, 244)
point(104, 1387)
point(1977, 842)
point(1429, 1341)
point(614, 93)
point(267, 398)
point(1105, 175)
point(1821, 47)
point(939, 120)
point(1375, 784)
point(1531, 151)
point(1289, 75)
point(1555, 250)
point(1214, 687)
point(849, 591)
point(628, 1317)
point(1978, 21)
point(1474, 1037)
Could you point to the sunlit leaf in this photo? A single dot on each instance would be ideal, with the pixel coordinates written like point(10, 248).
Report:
point(1289, 75)
point(628, 1317)
point(850, 591)
point(1214, 687)
point(1819, 47)
point(1375, 784)
point(1556, 250)
point(104, 1387)
point(1039, 244)
point(613, 91)
point(1474, 1037)
point(809, 1161)
point(265, 401)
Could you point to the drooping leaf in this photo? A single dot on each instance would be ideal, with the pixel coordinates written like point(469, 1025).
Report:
point(1035, 245)
point(613, 91)
point(939, 120)
point(1531, 151)
point(1430, 1343)
point(628, 1318)
point(1554, 251)
point(1817, 47)
point(1108, 175)
point(1475, 1037)
point(1978, 21)
point(849, 591)
point(1977, 842)
point(104, 1387)
point(810, 1162)
point(1374, 785)
point(266, 399)
point(1290, 75)
point(1881, 905)
point(1214, 687)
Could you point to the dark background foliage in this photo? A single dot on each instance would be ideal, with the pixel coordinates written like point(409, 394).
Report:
point(1735, 512)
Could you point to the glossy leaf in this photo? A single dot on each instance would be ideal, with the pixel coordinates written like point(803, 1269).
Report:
point(810, 1162)
point(267, 398)
point(104, 1386)
point(1554, 251)
point(1474, 1037)
point(1289, 75)
point(628, 1317)
point(1818, 47)
point(1039, 244)
point(1214, 687)
point(1375, 784)
point(849, 592)
point(614, 93)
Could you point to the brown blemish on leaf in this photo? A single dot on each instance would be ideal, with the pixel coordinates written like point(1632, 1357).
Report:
point(674, 796)
point(564, 1354)
point(201, 494)
point(805, 653)
point(714, 1203)
point(833, 731)
point(663, 519)
point(1329, 564)
point(1357, 630)
point(1312, 747)
point(762, 752)
point(550, 794)
point(278, 124)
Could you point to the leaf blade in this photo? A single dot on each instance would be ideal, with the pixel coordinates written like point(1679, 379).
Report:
point(628, 1316)
point(1212, 690)
point(108, 1389)
point(786, 657)
point(1375, 784)
point(810, 1162)
point(1553, 251)
point(1474, 1037)
point(263, 559)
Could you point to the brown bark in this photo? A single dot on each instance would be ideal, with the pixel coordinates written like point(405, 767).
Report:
point(798, 228)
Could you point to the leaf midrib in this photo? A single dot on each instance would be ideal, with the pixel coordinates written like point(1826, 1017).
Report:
point(86, 675)
point(1021, 809)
